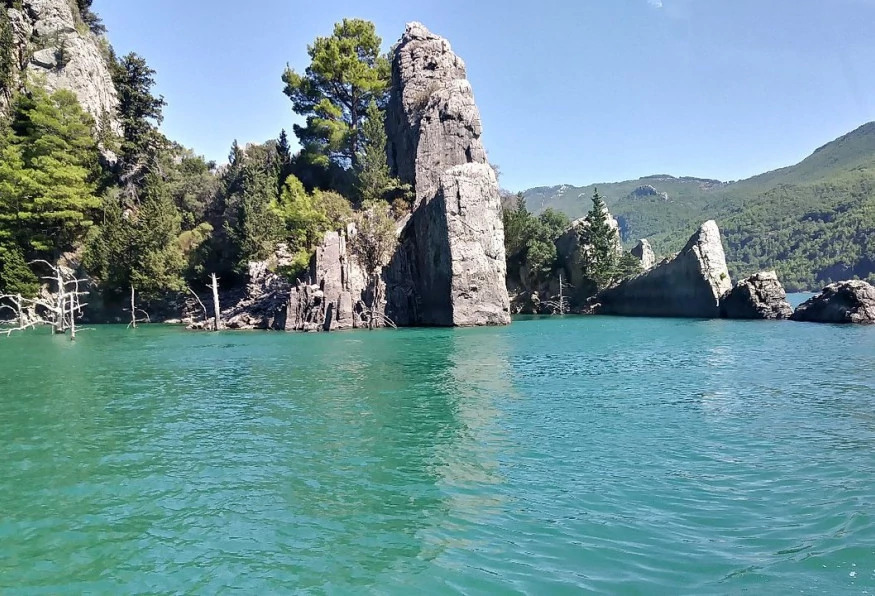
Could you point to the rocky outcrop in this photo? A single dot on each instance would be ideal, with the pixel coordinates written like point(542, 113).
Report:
point(843, 302)
point(54, 48)
point(449, 269)
point(572, 254)
point(689, 285)
point(644, 253)
point(339, 297)
point(263, 305)
point(760, 296)
point(647, 191)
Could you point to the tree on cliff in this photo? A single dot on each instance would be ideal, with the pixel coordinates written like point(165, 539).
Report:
point(600, 240)
point(48, 173)
point(372, 245)
point(375, 181)
point(139, 249)
point(346, 73)
point(140, 113)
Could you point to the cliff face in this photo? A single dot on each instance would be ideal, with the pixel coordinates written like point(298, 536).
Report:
point(449, 269)
point(54, 49)
point(689, 285)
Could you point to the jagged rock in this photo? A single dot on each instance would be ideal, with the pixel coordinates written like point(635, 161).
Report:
point(449, 268)
point(689, 285)
point(40, 28)
point(760, 296)
point(338, 299)
point(432, 121)
point(644, 253)
point(843, 302)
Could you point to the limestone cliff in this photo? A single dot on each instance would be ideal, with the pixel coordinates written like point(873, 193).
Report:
point(53, 48)
point(450, 265)
point(689, 285)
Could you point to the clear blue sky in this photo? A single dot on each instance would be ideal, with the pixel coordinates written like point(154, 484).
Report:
point(570, 91)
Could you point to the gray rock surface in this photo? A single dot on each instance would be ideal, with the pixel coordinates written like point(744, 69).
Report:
point(760, 296)
point(843, 302)
point(43, 26)
point(689, 285)
point(338, 298)
point(644, 253)
point(449, 269)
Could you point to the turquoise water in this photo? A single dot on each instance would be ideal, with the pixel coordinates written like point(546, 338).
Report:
point(557, 456)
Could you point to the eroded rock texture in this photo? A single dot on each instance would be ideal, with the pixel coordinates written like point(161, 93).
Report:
point(449, 269)
point(644, 253)
point(760, 296)
point(689, 285)
point(338, 297)
point(53, 47)
point(843, 302)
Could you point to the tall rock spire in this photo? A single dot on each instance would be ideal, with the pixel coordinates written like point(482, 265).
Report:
point(450, 267)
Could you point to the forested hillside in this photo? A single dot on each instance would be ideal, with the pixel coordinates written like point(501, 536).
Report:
point(108, 194)
point(814, 222)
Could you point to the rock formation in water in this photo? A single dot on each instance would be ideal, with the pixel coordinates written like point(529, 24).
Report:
point(644, 253)
point(338, 297)
point(843, 302)
point(449, 269)
point(571, 252)
point(760, 296)
point(689, 285)
point(54, 47)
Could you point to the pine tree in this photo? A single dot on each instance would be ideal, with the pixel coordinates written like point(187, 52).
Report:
point(48, 173)
point(600, 244)
point(140, 113)
point(347, 72)
point(375, 182)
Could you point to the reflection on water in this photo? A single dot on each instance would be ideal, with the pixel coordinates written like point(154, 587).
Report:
point(558, 455)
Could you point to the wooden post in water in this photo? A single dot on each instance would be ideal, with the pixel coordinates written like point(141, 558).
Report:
point(217, 310)
point(561, 296)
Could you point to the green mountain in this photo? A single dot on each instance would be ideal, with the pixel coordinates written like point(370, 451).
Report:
point(814, 222)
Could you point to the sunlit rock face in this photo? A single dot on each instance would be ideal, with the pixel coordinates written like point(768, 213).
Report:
point(54, 49)
point(450, 267)
point(689, 285)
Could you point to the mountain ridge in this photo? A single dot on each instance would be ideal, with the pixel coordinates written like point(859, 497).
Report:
point(831, 187)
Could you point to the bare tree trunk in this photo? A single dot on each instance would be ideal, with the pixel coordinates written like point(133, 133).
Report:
point(72, 317)
point(561, 297)
point(19, 304)
point(216, 308)
point(133, 308)
point(61, 311)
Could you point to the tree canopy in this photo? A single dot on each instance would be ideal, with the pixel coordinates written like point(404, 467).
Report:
point(346, 73)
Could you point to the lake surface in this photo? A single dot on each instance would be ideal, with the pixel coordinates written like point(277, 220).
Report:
point(556, 456)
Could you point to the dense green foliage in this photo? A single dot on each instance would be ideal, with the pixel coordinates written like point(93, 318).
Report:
point(813, 222)
point(346, 73)
point(48, 175)
point(139, 112)
point(375, 181)
point(530, 241)
point(153, 217)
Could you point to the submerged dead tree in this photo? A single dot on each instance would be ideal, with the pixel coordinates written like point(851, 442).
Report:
point(60, 308)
